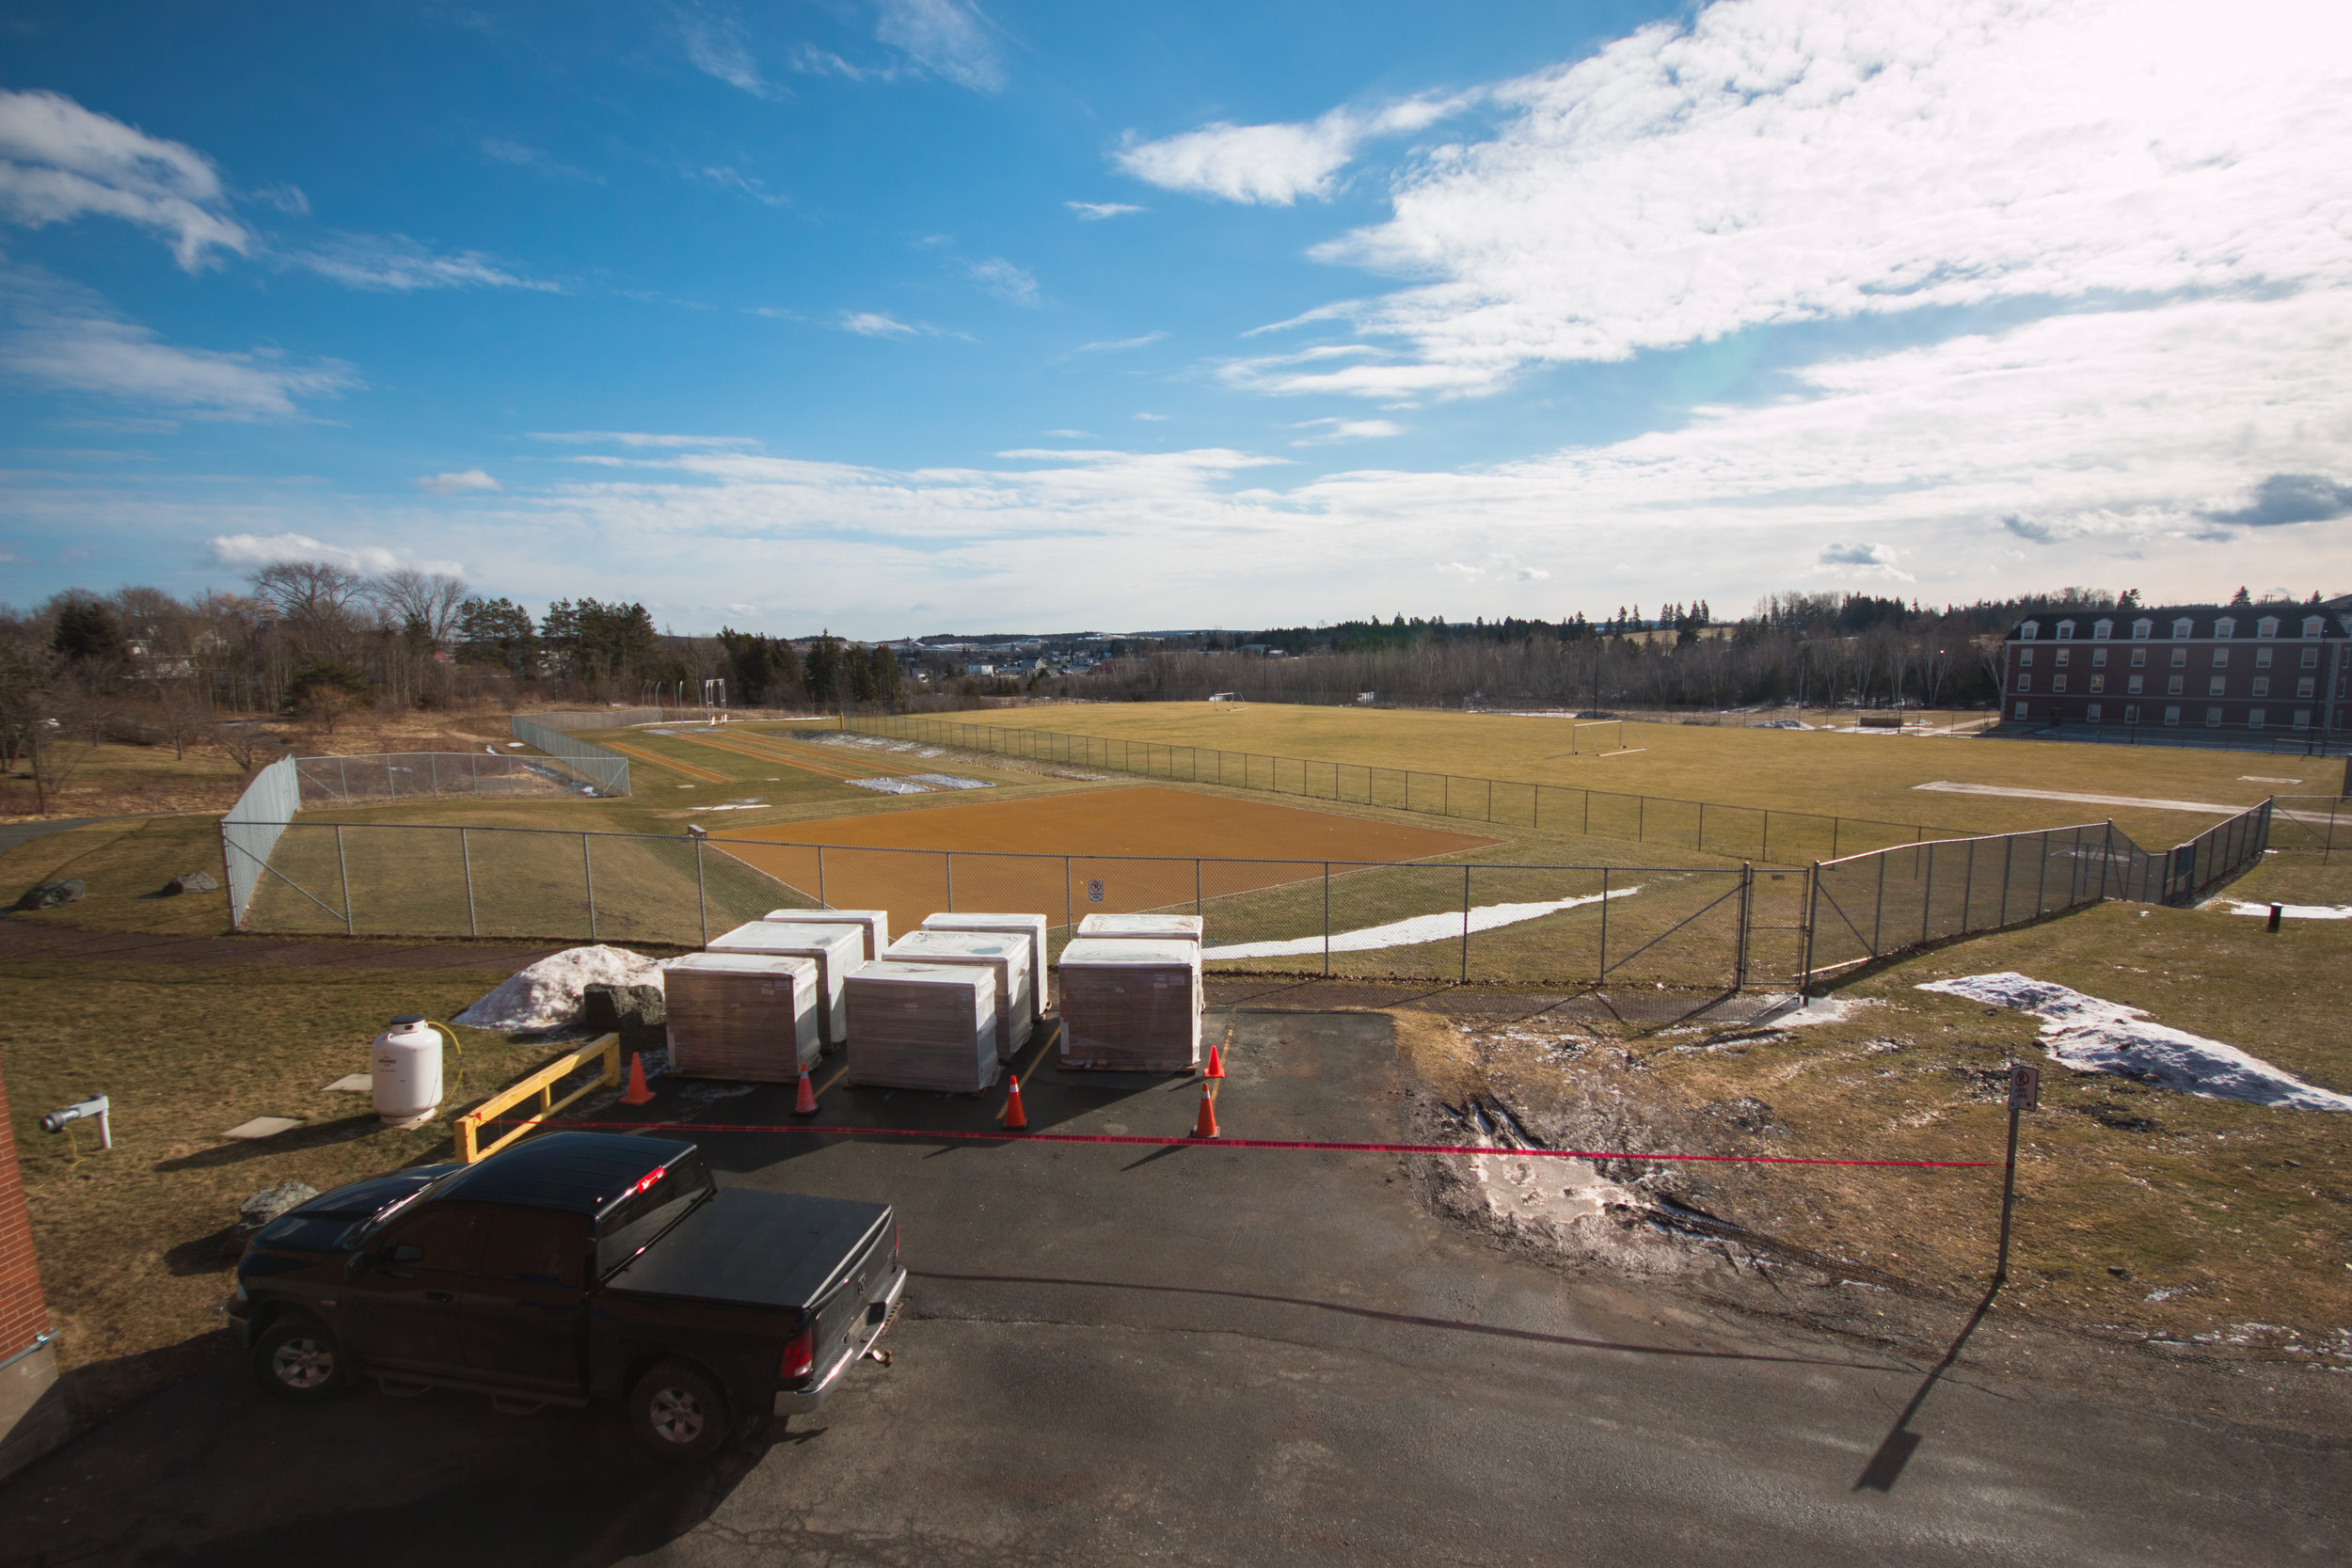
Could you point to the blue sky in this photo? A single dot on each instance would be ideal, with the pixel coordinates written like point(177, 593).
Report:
point(902, 316)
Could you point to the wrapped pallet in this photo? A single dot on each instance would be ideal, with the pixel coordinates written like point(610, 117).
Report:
point(1132, 1004)
point(923, 1027)
point(1143, 927)
point(1006, 957)
point(749, 1017)
point(838, 951)
point(1030, 926)
point(874, 923)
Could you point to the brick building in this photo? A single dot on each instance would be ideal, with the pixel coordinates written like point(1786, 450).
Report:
point(32, 1412)
point(2268, 668)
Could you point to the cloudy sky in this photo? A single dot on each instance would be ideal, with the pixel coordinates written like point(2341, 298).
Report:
point(905, 316)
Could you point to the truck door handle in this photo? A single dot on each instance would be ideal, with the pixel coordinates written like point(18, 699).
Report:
point(440, 1295)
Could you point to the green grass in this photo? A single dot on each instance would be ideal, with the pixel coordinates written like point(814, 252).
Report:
point(124, 864)
point(128, 1241)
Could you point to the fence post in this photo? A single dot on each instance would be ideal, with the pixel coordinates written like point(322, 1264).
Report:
point(465, 853)
point(1927, 896)
point(1466, 870)
point(702, 897)
point(343, 868)
point(2041, 883)
point(1602, 976)
point(1327, 920)
point(1878, 912)
point(1740, 955)
point(588, 876)
point(1833, 823)
point(1196, 891)
point(822, 902)
point(343, 769)
point(1812, 912)
point(1967, 886)
point(947, 868)
point(1587, 825)
point(1641, 818)
point(1765, 853)
point(1702, 827)
point(2106, 855)
point(2009, 861)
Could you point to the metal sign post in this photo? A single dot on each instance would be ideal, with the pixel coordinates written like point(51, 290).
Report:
point(2024, 1094)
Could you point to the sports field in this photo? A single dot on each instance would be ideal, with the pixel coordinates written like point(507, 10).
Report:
point(1874, 776)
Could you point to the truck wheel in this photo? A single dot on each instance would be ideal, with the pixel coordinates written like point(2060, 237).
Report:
point(298, 1357)
point(679, 1411)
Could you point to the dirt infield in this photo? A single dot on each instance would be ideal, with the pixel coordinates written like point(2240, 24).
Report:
point(898, 862)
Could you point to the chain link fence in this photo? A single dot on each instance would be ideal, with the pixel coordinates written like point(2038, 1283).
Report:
point(250, 830)
point(602, 772)
point(1748, 833)
point(393, 776)
point(1870, 906)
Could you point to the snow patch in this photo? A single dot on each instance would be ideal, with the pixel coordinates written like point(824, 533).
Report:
point(950, 780)
point(1795, 1012)
point(2087, 1035)
point(549, 993)
point(2292, 911)
point(889, 786)
point(1407, 933)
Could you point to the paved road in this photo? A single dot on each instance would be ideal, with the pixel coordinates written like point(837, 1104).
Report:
point(1211, 1355)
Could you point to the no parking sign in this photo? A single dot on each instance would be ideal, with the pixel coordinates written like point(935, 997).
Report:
point(1094, 891)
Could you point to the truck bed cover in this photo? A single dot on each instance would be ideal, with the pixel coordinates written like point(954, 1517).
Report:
point(729, 1248)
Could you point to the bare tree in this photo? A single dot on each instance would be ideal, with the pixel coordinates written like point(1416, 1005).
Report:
point(241, 743)
point(316, 599)
point(430, 600)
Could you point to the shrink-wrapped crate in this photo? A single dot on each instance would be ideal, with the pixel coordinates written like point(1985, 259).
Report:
point(1142, 927)
point(1030, 926)
point(751, 1016)
point(1128, 1003)
point(923, 1027)
point(838, 950)
point(874, 923)
point(1006, 957)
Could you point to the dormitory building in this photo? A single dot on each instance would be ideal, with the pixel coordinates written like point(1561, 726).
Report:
point(2271, 668)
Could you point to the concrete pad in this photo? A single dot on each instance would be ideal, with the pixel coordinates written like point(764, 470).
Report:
point(353, 1083)
point(264, 1127)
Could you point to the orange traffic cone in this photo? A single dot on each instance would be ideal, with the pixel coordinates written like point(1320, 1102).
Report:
point(1216, 1064)
point(638, 1093)
point(1205, 1127)
point(1016, 1119)
point(805, 1102)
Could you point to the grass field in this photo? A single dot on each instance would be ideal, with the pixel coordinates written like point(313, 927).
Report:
point(1865, 776)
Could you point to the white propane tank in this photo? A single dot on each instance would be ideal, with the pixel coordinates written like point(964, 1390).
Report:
point(406, 1064)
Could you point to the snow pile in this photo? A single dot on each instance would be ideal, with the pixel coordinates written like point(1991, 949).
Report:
point(549, 993)
point(2090, 1035)
point(950, 780)
point(1406, 933)
point(890, 786)
point(2292, 911)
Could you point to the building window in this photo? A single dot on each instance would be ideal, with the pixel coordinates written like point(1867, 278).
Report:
point(2024, 656)
point(2180, 658)
point(2171, 715)
point(2213, 718)
point(2225, 626)
point(2020, 710)
point(2303, 688)
point(2310, 659)
point(2065, 657)
point(2098, 658)
point(2314, 625)
point(2030, 631)
point(2066, 631)
point(2057, 682)
point(2134, 687)
point(2217, 687)
point(2261, 686)
point(2266, 627)
point(2025, 683)
point(2098, 683)
point(2253, 719)
point(2262, 658)
point(2180, 628)
point(2302, 719)
point(2139, 657)
point(2221, 659)
point(2131, 713)
point(2172, 687)
point(2141, 630)
point(2091, 713)
point(2102, 631)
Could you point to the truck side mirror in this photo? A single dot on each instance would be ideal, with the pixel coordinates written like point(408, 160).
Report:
point(403, 1254)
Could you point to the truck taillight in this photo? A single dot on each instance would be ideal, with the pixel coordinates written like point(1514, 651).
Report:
point(800, 1357)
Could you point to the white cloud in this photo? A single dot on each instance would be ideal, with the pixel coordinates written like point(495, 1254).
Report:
point(68, 338)
point(1154, 418)
point(717, 47)
point(252, 550)
point(1782, 161)
point(1272, 164)
point(1325, 432)
point(457, 484)
point(396, 263)
point(59, 161)
point(944, 37)
point(873, 323)
point(1071, 435)
point(640, 438)
point(1115, 345)
point(1000, 278)
point(1094, 212)
point(520, 155)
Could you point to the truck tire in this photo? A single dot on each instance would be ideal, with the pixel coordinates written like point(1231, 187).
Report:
point(679, 1412)
point(298, 1357)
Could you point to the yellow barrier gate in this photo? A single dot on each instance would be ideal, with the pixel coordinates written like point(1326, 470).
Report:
point(542, 1083)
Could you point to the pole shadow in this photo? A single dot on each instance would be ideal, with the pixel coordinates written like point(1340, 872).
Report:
point(1900, 1443)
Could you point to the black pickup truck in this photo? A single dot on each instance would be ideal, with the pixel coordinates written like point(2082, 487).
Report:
point(577, 1265)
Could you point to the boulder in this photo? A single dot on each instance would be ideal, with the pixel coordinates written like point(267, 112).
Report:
point(50, 894)
point(194, 881)
point(264, 1207)
point(637, 1013)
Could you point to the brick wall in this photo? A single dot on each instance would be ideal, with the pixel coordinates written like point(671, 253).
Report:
point(23, 1315)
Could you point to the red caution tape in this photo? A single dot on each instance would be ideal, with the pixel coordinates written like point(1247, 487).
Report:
point(1183, 1142)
